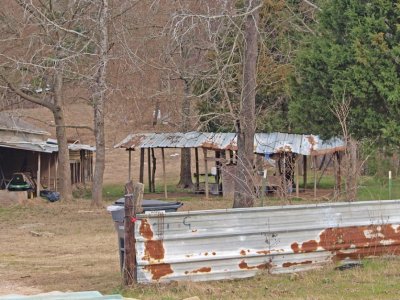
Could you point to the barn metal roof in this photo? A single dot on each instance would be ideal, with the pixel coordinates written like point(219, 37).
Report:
point(14, 123)
point(45, 147)
point(263, 142)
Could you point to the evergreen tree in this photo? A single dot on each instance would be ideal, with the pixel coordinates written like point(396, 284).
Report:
point(355, 56)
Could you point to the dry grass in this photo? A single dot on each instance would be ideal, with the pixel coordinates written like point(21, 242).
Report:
point(76, 248)
point(378, 279)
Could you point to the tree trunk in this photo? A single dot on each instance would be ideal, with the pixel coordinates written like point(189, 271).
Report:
point(64, 170)
point(99, 97)
point(185, 180)
point(245, 126)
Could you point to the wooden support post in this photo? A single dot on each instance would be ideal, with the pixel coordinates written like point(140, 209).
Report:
point(196, 154)
point(304, 172)
point(153, 171)
point(164, 173)
point(141, 172)
point(218, 168)
point(206, 171)
point(298, 168)
point(149, 169)
point(129, 165)
point(133, 205)
point(315, 177)
point(56, 171)
point(49, 171)
point(38, 177)
point(339, 175)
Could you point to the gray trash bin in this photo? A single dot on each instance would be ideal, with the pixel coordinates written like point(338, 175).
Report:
point(118, 214)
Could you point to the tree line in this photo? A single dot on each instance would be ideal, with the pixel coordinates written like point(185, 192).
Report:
point(238, 65)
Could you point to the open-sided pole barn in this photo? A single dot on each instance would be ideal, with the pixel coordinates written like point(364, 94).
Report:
point(25, 148)
point(285, 148)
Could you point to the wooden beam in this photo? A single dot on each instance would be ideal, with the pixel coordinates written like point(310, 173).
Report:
point(164, 173)
point(129, 165)
point(218, 168)
point(206, 172)
point(304, 171)
point(298, 168)
point(38, 176)
point(56, 171)
point(315, 177)
point(49, 171)
point(141, 171)
point(149, 169)
point(196, 154)
point(153, 171)
point(339, 175)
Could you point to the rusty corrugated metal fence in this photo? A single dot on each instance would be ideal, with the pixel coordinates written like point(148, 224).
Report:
point(236, 243)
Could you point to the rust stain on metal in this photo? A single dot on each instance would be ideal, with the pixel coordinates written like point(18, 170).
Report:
point(209, 144)
point(282, 149)
point(194, 230)
point(134, 142)
point(264, 252)
point(309, 246)
point(205, 253)
point(355, 242)
point(312, 141)
point(244, 266)
point(289, 264)
point(242, 252)
point(158, 271)
point(201, 270)
point(145, 229)
point(214, 253)
point(153, 251)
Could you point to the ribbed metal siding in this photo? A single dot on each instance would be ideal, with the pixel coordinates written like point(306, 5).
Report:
point(236, 243)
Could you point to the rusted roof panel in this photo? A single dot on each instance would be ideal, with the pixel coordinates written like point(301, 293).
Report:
point(45, 147)
point(284, 142)
point(237, 243)
point(35, 147)
point(12, 122)
point(263, 142)
point(220, 141)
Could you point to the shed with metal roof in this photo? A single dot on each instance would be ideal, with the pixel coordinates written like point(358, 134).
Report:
point(277, 145)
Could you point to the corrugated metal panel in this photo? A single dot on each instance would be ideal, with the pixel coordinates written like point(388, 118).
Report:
point(45, 147)
point(15, 123)
point(236, 243)
point(263, 142)
point(36, 147)
point(283, 142)
point(77, 147)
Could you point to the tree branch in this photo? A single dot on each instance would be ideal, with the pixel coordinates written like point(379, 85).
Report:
point(312, 4)
point(26, 96)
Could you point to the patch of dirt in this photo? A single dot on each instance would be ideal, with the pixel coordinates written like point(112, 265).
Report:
point(80, 254)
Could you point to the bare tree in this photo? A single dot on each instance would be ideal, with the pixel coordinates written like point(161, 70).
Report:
point(245, 125)
point(41, 48)
point(99, 97)
point(350, 162)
